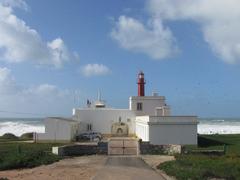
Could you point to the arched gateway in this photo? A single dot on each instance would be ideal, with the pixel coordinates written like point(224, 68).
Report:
point(119, 129)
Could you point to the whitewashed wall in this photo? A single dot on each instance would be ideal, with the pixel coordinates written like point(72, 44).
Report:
point(149, 104)
point(173, 130)
point(103, 118)
point(167, 129)
point(142, 127)
point(58, 130)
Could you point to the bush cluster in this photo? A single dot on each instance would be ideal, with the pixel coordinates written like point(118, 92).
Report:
point(25, 155)
point(26, 160)
point(9, 136)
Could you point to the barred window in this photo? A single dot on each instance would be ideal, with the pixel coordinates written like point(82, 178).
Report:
point(89, 127)
point(139, 106)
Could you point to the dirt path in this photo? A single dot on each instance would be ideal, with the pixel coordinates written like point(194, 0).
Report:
point(84, 168)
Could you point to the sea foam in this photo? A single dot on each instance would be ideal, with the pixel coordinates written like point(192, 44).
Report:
point(205, 126)
point(215, 126)
point(19, 128)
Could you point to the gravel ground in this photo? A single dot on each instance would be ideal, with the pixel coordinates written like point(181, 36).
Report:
point(94, 167)
point(127, 168)
point(84, 168)
point(154, 160)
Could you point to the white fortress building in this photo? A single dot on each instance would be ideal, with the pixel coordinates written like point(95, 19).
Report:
point(148, 118)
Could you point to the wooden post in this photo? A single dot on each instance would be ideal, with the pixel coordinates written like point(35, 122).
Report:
point(224, 148)
point(19, 150)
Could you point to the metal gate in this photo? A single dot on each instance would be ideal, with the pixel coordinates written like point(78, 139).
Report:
point(123, 146)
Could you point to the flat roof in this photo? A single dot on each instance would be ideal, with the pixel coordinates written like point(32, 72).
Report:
point(167, 119)
point(63, 119)
point(108, 109)
point(147, 97)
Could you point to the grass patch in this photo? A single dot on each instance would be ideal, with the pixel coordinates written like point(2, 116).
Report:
point(206, 141)
point(203, 167)
point(216, 142)
point(197, 166)
point(25, 155)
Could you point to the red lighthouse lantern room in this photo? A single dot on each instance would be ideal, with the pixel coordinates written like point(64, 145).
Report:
point(141, 83)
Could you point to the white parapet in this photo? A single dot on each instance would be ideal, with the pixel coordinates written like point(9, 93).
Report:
point(57, 150)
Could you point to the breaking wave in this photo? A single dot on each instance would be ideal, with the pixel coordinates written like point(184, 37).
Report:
point(219, 126)
point(20, 127)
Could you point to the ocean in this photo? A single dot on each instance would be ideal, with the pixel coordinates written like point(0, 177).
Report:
point(18, 126)
point(219, 126)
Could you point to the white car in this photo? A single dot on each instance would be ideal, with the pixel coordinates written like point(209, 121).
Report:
point(89, 136)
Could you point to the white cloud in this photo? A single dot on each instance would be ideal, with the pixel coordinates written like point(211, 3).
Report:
point(15, 3)
point(95, 70)
point(152, 39)
point(219, 21)
point(19, 42)
point(7, 82)
point(42, 90)
point(45, 99)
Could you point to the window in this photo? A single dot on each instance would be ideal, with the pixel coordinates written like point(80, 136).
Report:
point(139, 106)
point(89, 127)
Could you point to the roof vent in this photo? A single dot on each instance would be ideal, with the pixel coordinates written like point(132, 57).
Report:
point(155, 94)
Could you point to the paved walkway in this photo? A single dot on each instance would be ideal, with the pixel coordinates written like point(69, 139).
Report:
point(126, 168)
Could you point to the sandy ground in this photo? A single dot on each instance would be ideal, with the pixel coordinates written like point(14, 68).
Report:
point(85, 168)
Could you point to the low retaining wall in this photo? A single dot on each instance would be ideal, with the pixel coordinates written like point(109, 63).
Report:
point(78, 149)
point(147, 148)
point(102, 148)
point(208, 152)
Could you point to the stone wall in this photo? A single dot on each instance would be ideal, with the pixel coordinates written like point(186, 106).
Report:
point(102, 148)
point(76, 149)
point(147, 148)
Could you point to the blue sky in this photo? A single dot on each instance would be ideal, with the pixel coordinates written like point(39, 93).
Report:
point(54, 52)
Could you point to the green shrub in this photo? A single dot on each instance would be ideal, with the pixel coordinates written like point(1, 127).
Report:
point(27, 136)
point(27, 160)
point(15, 155)
point(9, 136)
point(1, 178)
